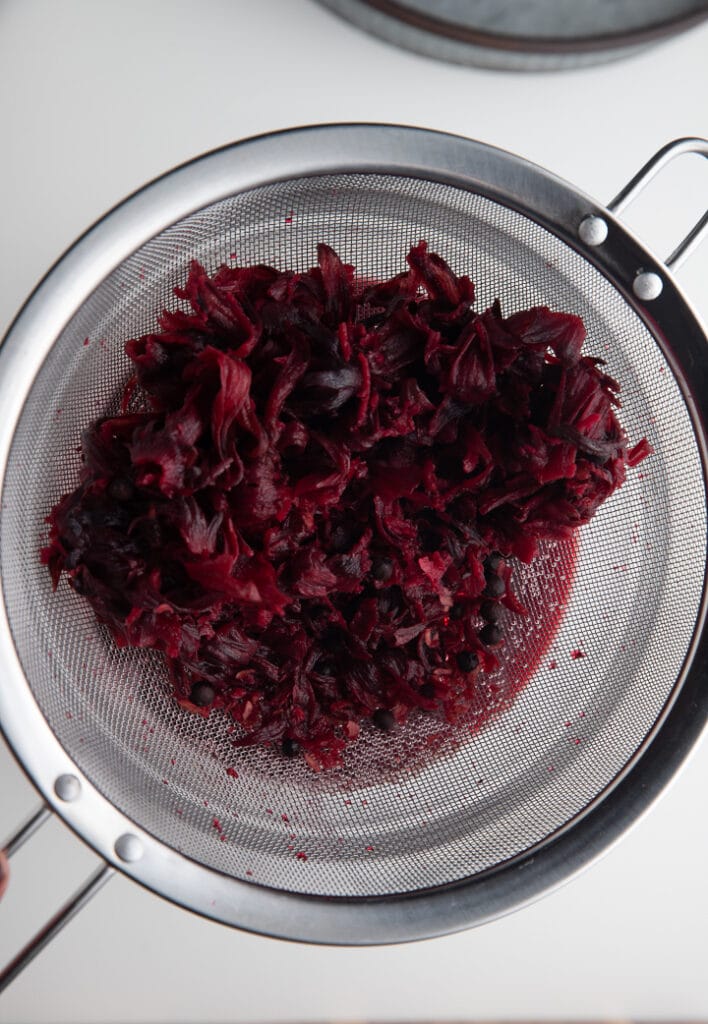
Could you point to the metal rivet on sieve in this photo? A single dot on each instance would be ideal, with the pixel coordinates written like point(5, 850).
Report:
point(67, 788)
point(647, 285)
point(593, 230)
point(129, 848)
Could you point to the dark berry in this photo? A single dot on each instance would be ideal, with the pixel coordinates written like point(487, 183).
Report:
point(466, 660)
point(492, 562)
point(491, 635)
point(390, 601)
point(495, 586)
point(120, 489)
point(202, 694)
point(427, 690)
point(457, 611)
point(290, 747)
point(341, 539)
point(491, 611)
point(382, 570)
point(383, 719)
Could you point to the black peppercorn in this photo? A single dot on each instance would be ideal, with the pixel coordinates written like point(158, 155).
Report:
point(491, 635)
point(202, 694)
point(341, 539)
point(491, 611)
point(383, 719)
point(382, 570)
point(466, 660)
point(492, 562)
point(120, 489)
point(495, 586)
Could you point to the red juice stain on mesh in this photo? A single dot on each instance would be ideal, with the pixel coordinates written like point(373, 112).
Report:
point(522, 659)
point(332, 490)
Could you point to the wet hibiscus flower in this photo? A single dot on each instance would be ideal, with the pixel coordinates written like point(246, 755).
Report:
point(317, 514)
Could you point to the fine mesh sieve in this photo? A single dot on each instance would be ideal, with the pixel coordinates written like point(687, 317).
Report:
point(613, 619)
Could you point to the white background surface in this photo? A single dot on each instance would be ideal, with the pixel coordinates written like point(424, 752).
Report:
point(95, 99)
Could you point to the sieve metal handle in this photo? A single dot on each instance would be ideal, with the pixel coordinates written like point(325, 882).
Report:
point(65, 913)
point(650, 169)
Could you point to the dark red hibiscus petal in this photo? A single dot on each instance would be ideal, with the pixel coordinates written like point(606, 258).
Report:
point(302, 513)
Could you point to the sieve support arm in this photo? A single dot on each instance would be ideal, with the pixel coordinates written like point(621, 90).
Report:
point(55, 924)
point(26, 831)
point(642, 178)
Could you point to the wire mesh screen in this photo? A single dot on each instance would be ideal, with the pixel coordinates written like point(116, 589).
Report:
point(611, 617)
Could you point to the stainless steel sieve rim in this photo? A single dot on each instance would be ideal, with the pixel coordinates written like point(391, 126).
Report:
point(579, 221)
